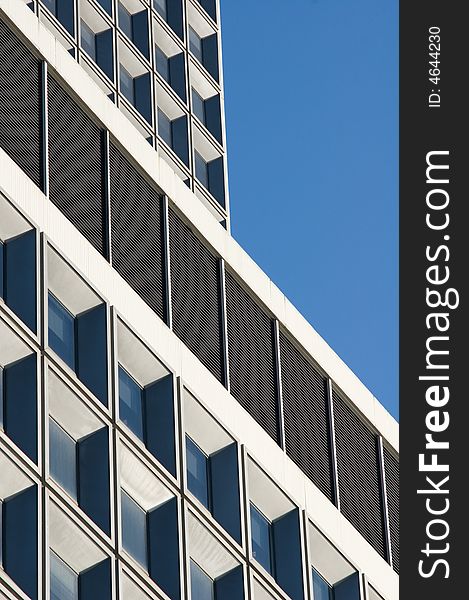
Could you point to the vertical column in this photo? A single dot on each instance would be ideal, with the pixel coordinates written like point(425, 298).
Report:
point(107, 198)
point(167, 263)
point(45, 130)
point(224, 328)
point(335, 475)
point(384, 500)
point(278, 375)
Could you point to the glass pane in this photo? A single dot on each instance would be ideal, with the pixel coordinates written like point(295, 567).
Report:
point(134, 529)
point(198, 106)
point(125, 20)
point(63, 580)
point(51, 5)
point(62, 458)
point(61, 331)
point(160, 7)
point(201, 170)
point(164, 128)
point(162, 63)
point(261, 539)
point(130, 403)
point(321, 589)
point(127, 85)
point(88, 40)
point(197, 475)
point(195, 44)
point(201, 584)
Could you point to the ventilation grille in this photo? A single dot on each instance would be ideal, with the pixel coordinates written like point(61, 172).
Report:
point(358, 472)
point(137, 231)
point(76, 166)
point(391, 469)
point(20, 105)
point(195, 296)
point(306, 416)
point(251, 357)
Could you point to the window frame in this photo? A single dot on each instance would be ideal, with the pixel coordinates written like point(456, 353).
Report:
point(72, 317)
point(144, 565)
point(194, 565)
point(253, 509)
point(208, 505)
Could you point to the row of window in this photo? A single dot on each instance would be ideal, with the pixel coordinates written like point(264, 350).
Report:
point(137, 82)
point(254, 354)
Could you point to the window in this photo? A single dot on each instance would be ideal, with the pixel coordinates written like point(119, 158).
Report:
point(198, 106)
point(61, 331)
point(201, 169)
point(197, 472)
point(162, 64)
point(51, 5)
point(62, 458)
point(88, 40)
point(125, 20)
point(130, 403)
point(63, 580)
point(134, 529)
point(160, 7)
point(261, 538)
point(321, 589)
point(164, 128)
point(201, 584)
point(195, 44)
point(127, 85)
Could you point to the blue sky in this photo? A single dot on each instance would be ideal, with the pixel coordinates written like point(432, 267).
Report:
point(311, 96)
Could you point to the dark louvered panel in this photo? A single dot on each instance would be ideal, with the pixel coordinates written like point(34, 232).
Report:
point(20, 105)
point(195, 295)
point(76, 175)
point(137, 231)
point(391, 469)
point(251, 357)
point(306, 416)
point(358, 472)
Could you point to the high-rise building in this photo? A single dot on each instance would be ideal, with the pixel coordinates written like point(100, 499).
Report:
point(170, 426)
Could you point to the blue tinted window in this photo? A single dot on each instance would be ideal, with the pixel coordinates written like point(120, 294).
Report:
point(198, 106)
point(160, 7)
point(125, 20)
point(127, 85)
point(130, 403)
point(201, 584)
point(201, 170)
point(162, 63)
point(61, 331)
point(88, 40)
point(62, 458)
point(134, 529)
point(164, 128)
point(195, 44)
point(321, 589)
point(261, 538)
point(1, 269)
point(63, 580)
point(197, 472)
point(51, 5)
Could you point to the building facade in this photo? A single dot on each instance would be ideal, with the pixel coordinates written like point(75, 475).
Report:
point(170, 426)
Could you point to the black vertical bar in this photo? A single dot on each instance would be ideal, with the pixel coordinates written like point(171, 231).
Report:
point(433, 286)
